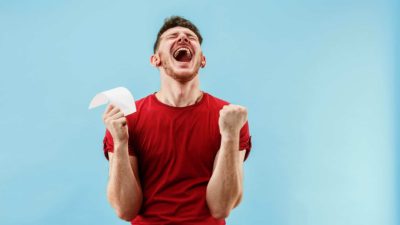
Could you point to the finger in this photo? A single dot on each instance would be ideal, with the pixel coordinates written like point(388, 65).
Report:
point(109, 108)
point(113, 111)
point(117, 115)
point(241, 108)
point(121, 120)
point(231, 107)
point(226, 107)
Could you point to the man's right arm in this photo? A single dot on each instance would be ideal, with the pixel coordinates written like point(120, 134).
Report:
point(124, 190)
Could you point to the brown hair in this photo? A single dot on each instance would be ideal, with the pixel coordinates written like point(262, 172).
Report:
point(176, 21)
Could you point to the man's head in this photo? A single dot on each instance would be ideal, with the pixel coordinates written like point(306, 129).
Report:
point(177, 50)
point(176, 21)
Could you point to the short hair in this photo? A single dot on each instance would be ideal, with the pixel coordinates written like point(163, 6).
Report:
point(176, 21)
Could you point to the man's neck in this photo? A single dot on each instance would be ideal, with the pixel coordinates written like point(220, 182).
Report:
point(177, 94)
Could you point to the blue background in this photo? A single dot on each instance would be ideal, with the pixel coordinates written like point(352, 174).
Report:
point(320, 80)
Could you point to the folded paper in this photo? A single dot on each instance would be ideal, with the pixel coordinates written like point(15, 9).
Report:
point(120, 97)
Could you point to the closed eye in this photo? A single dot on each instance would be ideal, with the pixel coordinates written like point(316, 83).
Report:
point(172, 36)
point(191, 37)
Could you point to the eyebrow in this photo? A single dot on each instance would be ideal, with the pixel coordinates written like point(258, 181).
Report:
point(175, 33)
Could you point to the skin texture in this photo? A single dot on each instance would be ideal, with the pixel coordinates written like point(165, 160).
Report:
point(123, 191)
point(180, 87)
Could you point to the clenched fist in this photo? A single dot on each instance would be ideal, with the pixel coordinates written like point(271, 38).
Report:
point(231, 120)
point(115, 122)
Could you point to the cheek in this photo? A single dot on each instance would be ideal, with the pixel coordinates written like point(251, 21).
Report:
point(164, 49)
point(164, 57)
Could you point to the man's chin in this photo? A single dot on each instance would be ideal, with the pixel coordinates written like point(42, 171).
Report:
point(184, 75)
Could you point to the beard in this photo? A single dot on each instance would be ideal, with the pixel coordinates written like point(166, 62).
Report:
point(180, 76)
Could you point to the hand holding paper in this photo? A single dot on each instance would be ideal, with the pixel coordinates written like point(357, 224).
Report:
point(120, 97)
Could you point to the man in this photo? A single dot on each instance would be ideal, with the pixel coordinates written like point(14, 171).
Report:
point(179, 158)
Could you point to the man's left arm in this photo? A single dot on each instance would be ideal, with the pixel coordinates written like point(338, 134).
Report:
point(224, 190)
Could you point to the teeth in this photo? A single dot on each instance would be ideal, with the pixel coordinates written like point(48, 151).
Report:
point(182, 49)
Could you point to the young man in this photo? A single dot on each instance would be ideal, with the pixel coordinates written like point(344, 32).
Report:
point(179, 158)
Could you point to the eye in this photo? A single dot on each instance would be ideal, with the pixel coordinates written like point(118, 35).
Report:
point(191, 37)
point(171, 36)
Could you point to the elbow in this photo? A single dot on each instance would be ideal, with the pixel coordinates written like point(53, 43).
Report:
point(239, 200)
point(126, 210)
point(127, 215)
point(218, 210)
point(222, 211)
point(220, 214)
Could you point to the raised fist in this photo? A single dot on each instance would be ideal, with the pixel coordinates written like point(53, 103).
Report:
point(231, 120)
point(115, 122)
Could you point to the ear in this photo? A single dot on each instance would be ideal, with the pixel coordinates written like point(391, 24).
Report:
point(155, 60)
point(203, 61)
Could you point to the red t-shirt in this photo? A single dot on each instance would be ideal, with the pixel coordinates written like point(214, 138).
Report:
point(176, 148)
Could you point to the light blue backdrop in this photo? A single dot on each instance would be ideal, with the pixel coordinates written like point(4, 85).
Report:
point(318, 78)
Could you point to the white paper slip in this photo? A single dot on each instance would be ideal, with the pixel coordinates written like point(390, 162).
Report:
point(120, 97)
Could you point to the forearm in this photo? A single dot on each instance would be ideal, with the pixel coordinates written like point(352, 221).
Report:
point(225, 186)
point(123, 191)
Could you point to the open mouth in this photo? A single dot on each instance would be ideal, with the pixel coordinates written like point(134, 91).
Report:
point(182, 54)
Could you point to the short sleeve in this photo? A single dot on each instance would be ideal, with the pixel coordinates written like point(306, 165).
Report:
point(245, 139)
point(108, 145)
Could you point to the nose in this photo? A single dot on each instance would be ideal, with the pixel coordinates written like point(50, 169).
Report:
point(183, 38)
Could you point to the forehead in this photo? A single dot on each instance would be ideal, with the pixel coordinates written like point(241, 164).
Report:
point(178, 30)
